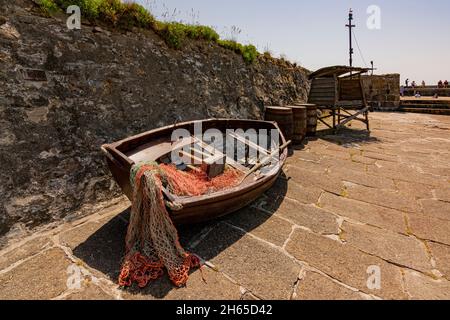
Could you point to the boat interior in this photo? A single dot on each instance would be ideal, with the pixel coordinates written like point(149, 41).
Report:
point(255, 153)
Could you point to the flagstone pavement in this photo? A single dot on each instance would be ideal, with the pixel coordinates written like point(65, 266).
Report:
point(353, 217)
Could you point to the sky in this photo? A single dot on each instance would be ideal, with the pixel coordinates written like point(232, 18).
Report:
point(413, 38)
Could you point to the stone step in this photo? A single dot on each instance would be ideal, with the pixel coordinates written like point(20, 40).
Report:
point(426, 110)
point(433, 103)
point(430, 91)
point(426, 106)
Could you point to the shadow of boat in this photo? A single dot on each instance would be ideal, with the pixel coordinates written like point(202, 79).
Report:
point(104, 249)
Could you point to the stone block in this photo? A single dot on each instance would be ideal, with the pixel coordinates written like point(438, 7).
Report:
point(314, 286)
point(390, 246)
point(43, 277)
point(255, 265)
point(363, 212)
point(346, 264)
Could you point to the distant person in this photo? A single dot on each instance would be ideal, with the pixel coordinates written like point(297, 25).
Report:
point(436, 96)
point(418, 95)
point(407, 82)
point(446, 84)
point(440, 84)
point(402, 91)
point(423, 84)
point(413, 84)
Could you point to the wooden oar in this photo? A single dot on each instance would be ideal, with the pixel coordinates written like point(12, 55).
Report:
point(265, 160)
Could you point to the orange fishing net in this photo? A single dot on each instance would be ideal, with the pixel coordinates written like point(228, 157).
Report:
point(152, 242)
point(196, 182)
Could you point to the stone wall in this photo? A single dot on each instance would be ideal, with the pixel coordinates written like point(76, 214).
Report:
point(427, 91)
point(64, 93)
point(383, 91)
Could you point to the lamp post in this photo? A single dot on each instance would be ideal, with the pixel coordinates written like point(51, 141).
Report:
point(350, 26)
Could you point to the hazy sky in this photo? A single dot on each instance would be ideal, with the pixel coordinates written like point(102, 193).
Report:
point(414, 39)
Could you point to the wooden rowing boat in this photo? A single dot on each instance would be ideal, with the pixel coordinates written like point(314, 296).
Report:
point(154, 145)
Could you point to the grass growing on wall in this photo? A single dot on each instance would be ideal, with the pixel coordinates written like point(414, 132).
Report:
point(48, 6)
point(248, 52)
point(129, 15)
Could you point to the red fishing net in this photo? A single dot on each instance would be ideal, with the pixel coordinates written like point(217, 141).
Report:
point(152, 242)
point(196, 182)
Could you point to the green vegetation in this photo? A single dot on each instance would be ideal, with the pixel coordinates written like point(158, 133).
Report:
point(248, 52)
point(175, 33)
point(129, 15)
point(125, 15)
point(48, 6)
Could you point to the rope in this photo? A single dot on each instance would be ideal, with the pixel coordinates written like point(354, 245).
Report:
point(152, 242)
point(359, 49)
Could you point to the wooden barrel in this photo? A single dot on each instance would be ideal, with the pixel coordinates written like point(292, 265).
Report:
point(300, 123)
point(311, 114)
point(284, 117)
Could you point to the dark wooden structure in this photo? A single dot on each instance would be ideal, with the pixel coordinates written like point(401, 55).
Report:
point(339, 90)
point(284, 117)
point(300, 121)
point(156, 144)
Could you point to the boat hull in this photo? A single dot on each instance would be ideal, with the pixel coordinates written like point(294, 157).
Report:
point(201, 208)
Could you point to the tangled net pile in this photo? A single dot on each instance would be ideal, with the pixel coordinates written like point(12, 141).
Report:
point(152, 242)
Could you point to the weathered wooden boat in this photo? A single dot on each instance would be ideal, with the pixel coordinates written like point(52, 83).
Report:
point(156, 145)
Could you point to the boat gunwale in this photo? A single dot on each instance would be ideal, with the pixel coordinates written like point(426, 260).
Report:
point(234, 192)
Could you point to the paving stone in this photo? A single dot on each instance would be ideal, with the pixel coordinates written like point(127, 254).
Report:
point(339, 164)
point(216, 287)
point(294, 191)
point(309, 216)
point(307, 178)
point(393, 247)
point(24, 251)
point(119, 205)
point(441, 254)
point(314, 286)
point(417, 190)
point(101, 245)
point(248, 296)
point(189, 234)
point(439, 171)
point(306, 195)
point(380, 156)
point(380, 149)
point(437, 209)
point(317, 145)
point(78, 235)
point(430, 228)
point(262, 225)
point(362, 159)
point(363, 212)
point(345, 263)
point(388, 165)
point(336, 154)
point(443, 193)
point(42, 277)
point(91, 292)
point(421, 287)
point(361, 178)
point(258, 267)
point(340, 142)
point(385, 198)
point(401, 173)
point(307, 165)
point(306, 155)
